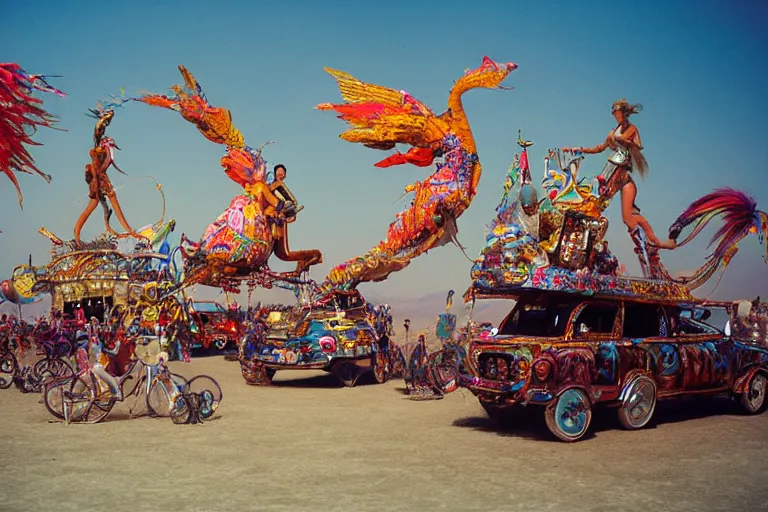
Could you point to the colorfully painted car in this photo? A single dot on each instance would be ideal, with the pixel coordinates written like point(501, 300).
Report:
point(215, 325)
point(342, 334)
point(569, 353)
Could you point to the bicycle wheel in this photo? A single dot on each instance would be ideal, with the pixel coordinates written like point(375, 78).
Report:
point(181, 411)
point(85, 402)
point(381, 368)
point(46, 369)
point(209, 391)
point(53, 395)
point(443, 371)
point(161, 394)
point(8, 368)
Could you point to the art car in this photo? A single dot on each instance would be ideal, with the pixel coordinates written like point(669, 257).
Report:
point(340, 333)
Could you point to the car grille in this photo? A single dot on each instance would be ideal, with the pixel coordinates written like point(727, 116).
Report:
point(500, 367)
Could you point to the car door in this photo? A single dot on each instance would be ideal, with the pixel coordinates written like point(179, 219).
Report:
point(595, 323)
point(707, 354)
point(646, 344)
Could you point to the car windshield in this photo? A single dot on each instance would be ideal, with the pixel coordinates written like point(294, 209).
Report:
point(539, 316)
point(206, 307)
point(315, 326)
point(344, 302)
point(308, 326)
point(703, 320)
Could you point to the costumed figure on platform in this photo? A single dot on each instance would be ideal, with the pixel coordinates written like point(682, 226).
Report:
point(99, 185)
point(738, 211)
point(239, 242)
point(289, 212)
point(558, 243)
point(626, 157)
point(20, 116)
point(381, 118)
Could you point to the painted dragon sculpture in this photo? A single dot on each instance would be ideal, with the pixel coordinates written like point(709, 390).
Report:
point(381, 118)
point(239, 242)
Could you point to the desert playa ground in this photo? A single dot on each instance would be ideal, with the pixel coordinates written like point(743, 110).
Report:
point(307, 444)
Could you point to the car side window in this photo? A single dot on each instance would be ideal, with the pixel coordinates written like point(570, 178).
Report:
point(595, 318)
point(508, 326)
point(641, 320)
point(670, 322)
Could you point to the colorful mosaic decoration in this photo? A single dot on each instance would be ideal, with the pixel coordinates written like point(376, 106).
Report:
point(558, 243)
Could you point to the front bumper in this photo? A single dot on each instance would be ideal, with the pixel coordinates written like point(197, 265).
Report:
point(490, 386)
point(508, 392)
point(316, 363)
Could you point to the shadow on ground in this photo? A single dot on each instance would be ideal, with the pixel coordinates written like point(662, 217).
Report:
point(528, 422)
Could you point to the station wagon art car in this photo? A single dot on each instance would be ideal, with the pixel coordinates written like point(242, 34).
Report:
point(569, 353)
point(584, 333)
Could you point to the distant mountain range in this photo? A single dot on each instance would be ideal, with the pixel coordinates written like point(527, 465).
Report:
point(423, 310)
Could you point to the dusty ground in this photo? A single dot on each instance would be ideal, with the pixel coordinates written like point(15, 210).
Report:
point(306, 444)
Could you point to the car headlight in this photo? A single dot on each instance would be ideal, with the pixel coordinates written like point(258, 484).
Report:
point(542, 369)
point(327, 344)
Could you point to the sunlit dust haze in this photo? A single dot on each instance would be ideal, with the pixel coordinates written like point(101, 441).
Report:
point(698, 68)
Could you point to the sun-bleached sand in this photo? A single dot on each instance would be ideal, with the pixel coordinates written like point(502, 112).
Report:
point(308, 444)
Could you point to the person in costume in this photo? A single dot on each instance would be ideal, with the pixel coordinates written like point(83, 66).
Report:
point(99, 360)
point(626, 157)
point(80, 317)
point(282, 191)
point(288, 214)
point(100, 189)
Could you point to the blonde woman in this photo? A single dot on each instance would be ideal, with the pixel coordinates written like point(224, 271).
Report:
point(626, 157)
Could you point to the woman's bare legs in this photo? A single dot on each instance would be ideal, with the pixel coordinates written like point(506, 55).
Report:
point(633, 220)
point(110, 380)
point(304, 259)
point(92, 204)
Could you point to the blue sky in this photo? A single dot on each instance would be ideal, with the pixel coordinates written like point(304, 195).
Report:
point(698, 68)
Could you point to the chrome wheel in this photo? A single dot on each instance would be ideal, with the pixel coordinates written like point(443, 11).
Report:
point(639, 403)
point(753, 398)
point(569, 415)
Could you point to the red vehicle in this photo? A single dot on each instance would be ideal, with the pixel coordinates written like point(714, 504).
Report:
point(215, 325)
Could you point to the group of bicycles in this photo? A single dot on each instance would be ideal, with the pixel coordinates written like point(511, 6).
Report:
point(75, 389)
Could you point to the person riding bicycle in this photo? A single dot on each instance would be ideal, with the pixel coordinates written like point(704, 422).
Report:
point(99, 360)
point(119, 350)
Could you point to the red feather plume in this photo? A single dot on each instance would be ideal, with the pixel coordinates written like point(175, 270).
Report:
point(738, 211)
point(20, 116)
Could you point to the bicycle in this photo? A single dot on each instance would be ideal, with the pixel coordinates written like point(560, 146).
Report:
point(89, 398)
point(55, 347)
point(12, 373)
point(8, 369)
point(197, 406)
